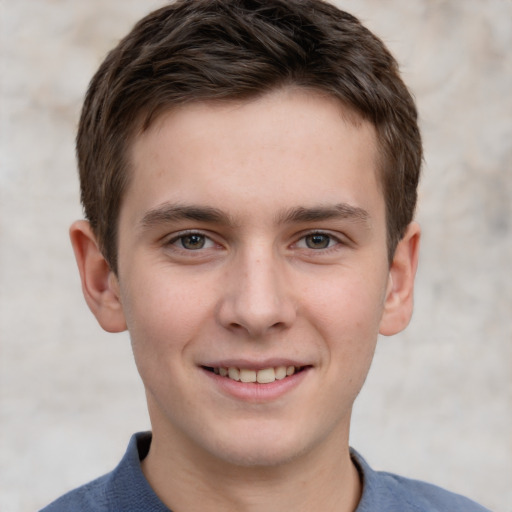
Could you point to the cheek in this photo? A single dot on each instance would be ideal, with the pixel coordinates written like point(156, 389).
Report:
point(355, 301)
point(162, 314)
point(347, 314)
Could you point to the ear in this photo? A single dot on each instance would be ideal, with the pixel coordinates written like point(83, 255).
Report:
point(99, 284)
point(398, 303)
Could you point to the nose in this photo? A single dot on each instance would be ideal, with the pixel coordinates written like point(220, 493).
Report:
point(257, 297)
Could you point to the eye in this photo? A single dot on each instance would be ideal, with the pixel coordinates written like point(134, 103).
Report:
point(317, 241)
point(192, 242)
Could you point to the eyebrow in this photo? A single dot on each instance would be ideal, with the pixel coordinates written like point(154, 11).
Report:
point(320, 213)
point(169, 212)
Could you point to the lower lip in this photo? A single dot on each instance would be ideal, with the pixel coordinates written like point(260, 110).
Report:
point(255, 392)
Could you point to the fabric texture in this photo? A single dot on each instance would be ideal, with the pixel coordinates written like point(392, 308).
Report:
point(126, 489)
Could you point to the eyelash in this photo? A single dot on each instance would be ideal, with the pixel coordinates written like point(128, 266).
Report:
point(189, 234)
point(332, 241)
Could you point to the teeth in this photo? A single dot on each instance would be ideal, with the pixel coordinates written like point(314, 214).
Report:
point(264, 376)
point(280, 372)
point(247, 375)
point(233, 373)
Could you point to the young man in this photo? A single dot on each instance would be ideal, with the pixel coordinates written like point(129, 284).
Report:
point(249, 172)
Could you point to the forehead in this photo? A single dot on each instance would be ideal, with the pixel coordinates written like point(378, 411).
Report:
point(290, 147)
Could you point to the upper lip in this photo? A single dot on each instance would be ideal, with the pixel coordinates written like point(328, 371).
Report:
point(251, 364)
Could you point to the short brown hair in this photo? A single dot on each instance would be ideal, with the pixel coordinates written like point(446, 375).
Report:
point(199, 50)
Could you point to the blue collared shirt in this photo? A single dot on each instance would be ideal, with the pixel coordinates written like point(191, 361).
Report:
point(126, 489)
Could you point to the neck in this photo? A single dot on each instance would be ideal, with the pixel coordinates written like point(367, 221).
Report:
point(325, 479)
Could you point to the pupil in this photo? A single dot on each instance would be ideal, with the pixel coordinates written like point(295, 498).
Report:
point(193, 242)
point(317, 241)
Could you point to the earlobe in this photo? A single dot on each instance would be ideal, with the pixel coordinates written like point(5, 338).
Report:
point(398, 304)
point(99, 284)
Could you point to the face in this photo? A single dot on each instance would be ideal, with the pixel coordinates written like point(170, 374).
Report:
point(252, 246)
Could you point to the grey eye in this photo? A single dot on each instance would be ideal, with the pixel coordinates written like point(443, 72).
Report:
point(193, 242)
point(317, 241)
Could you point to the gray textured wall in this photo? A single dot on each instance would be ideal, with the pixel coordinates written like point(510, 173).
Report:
point(438, 402)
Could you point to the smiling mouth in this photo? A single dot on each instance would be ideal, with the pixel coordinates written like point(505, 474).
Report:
point(263, 376)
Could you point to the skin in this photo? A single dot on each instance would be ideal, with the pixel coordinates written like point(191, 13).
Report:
point(252, 234)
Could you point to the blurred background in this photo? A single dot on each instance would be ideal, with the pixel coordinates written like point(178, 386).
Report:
point(438, 402)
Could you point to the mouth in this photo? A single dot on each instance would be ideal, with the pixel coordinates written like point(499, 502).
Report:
point(262, 376)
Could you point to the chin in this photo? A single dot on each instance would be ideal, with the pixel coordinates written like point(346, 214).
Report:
point(259, 449)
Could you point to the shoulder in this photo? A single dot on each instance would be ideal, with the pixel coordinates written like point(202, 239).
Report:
point(124, 489)
point(88, 498)
point(421, 496)
point(386, 492)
